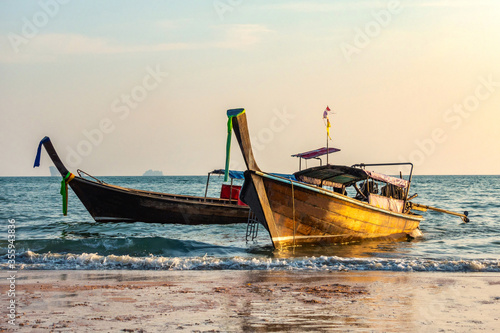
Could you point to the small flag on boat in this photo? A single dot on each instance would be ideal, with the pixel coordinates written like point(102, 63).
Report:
point(328, 128)
point(325, 113)
point(328, 125)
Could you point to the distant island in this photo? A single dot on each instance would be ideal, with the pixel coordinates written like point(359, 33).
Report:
point(53, 171)
point(151, 172)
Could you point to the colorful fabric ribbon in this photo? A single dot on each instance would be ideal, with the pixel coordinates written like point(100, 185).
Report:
point(66, 179)
point(230, 115)
point(328, 125)
point(64, 191)
point(39, 152)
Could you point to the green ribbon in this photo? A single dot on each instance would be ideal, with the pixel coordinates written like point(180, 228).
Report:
point(230, 115)
point(64, 193)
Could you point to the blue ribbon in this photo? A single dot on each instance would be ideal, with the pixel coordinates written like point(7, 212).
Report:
point(39, 151)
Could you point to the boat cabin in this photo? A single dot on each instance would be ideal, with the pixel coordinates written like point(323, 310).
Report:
point(377, 189)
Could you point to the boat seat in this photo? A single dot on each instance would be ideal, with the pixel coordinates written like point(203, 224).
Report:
point(235, 195)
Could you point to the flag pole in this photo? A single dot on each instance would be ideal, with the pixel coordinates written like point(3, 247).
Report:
point(325, 116)
point(326, 148)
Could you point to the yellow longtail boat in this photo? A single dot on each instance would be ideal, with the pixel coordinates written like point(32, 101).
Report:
point(315, 208)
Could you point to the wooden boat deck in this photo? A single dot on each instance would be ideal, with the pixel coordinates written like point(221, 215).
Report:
point(182, 197)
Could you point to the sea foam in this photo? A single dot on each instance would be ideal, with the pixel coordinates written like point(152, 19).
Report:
point(33, 260)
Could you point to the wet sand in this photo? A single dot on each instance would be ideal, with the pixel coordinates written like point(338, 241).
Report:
point(254, 301)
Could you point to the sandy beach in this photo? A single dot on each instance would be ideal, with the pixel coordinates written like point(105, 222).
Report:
point(254, 301)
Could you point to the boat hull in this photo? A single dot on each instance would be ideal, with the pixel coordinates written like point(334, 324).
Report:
point(299, 214)
point(109, 203)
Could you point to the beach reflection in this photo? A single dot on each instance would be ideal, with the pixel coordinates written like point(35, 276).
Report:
point(365, 249)
point(299, 302)
point(257, 301)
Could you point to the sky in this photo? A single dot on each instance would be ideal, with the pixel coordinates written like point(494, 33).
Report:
point(121, 87)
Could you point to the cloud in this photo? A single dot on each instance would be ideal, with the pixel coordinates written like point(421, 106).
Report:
point(48, 47)
point(241, 35)
point(174, 24)
point(333, 6)
point(368, 4)
point(451, 3)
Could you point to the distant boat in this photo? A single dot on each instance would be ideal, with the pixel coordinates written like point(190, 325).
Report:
point(151, 172)
point(111, 203)
point(305, 212)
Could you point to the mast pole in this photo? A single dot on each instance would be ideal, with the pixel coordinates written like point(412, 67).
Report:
point(327, 148)
point(206, 188)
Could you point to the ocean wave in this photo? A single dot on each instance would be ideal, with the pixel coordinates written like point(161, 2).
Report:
point(132, 246)
point(94, 261)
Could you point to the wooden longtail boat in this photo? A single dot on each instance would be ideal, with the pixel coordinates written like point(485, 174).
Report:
point(304, 212)
point(111, 203)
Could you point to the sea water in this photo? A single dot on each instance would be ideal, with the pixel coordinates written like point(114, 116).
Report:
point(45, 239)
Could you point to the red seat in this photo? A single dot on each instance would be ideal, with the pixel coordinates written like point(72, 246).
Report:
point(235, 195)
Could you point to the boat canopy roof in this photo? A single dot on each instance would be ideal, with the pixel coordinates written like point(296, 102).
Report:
point(233, 174)
point(240, 174)
point(316, 153)
point(399, 182)
point(343, 176)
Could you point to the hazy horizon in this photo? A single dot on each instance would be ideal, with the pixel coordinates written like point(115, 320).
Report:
point(123, 87)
